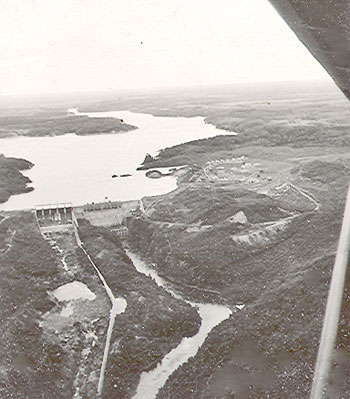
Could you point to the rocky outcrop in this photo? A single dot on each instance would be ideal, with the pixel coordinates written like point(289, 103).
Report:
point(238, 217)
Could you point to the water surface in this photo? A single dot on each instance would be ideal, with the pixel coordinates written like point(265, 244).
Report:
point(79, 169)
point(211, 315)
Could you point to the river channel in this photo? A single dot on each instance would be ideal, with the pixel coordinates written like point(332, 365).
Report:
point(79, 169)
point(212, 315)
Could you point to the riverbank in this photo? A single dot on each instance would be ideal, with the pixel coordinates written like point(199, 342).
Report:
point(253, 226)
point(12, 181)
point(211, 315)
point(82, 168)
point(276, 260)
point(153, 323)
point(32, 122)
point(268, 114)
point(68, 336)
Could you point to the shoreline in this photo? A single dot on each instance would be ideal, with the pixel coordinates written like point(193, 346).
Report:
point(91, 161)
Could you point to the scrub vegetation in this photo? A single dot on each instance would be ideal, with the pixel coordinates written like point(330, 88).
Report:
point(269, 347)
point(254, 222)
point(154, 322)
point(56, 123)
point(31, 366)
point(11, 179)
point(48, 354)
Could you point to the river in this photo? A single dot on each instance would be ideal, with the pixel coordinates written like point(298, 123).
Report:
point(212, 315)
point(79, 169)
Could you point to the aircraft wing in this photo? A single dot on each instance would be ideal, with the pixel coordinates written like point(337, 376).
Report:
point(323, 26)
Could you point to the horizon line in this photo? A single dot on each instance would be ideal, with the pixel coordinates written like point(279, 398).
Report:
point(323, 82)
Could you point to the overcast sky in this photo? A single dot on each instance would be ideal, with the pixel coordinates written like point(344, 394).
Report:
point(87, 45)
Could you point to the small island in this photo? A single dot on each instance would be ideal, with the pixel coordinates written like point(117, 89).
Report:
point(156, 174)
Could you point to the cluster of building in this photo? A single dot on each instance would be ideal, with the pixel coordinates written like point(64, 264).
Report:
point(228, 168)
point(98, 206)
point(234, 169)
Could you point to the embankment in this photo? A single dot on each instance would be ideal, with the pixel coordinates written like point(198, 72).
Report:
point(153, 323)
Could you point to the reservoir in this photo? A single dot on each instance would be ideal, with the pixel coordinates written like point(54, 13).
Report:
point(79, 169)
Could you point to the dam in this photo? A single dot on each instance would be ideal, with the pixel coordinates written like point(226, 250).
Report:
point(113, 214)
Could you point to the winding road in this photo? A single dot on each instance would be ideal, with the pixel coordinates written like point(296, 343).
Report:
point(307, 195)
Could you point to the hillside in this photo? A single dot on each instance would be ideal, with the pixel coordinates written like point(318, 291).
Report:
point(295, 115)
point(11, 179)
point(253, 225)
point(52, 347)
point(52, 122)
point(276, 260)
